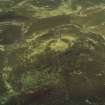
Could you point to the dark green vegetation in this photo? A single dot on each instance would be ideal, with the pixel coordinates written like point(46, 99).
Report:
point(52, 52)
